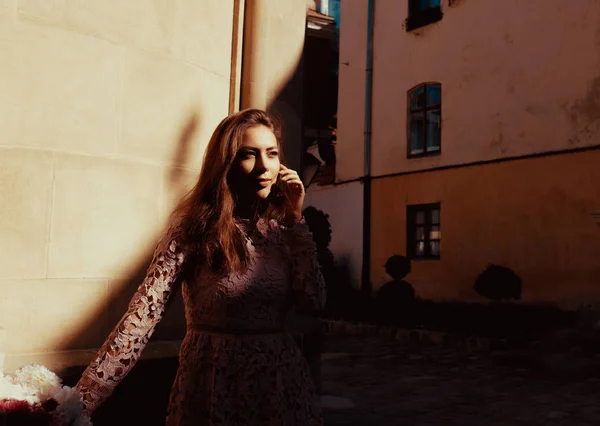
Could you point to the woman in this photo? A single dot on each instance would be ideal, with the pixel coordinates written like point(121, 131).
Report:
point(245, 256)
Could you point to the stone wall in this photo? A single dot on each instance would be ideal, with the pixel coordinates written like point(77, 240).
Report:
point(105, 110)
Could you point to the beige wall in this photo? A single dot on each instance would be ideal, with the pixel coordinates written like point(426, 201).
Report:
point(105, 110)
point(518, 78)
point(287, 22)
point(533, 216)
point(507, 69)
point(344, 205)
point(351, 97)
point(274, 39)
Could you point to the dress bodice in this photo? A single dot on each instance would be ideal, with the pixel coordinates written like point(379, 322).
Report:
point(257, 299)
point(283, 272)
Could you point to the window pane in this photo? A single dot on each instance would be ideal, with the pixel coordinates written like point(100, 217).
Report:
point(417, 123)
point(417, 6)
point(435, 216)
point(417, 98)
point(420, 248)
point(435, 233)
point(420, 233)
point(434, 247)
point(433, 130)
point(420, 218)
point(434, 94)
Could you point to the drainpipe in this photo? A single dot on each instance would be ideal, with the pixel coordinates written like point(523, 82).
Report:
point(237, 45)
point(255, 49)
point(366, 261)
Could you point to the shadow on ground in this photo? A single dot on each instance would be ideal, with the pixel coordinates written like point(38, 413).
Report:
point(373, 381)
point(140, 399)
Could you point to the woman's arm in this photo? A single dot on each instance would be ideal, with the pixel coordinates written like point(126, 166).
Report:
point(307, 280)
point(125, 343)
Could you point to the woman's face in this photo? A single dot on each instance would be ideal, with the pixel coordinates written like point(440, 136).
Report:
point(257, 165)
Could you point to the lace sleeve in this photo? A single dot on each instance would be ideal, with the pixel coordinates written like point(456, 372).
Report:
point(307, 280)
point(125, 343)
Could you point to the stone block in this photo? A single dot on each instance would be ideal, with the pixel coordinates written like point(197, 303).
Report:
point(198, 32)
point(61, 90)
point(176, 183)
point(105, 213)
point(6, 7)
point(150, 26)
point(26, 185)
point(53, 315)
point(161, 96)
point(203, 34)
point(48, 11)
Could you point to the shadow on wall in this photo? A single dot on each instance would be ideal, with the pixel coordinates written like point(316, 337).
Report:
point(147, 404)
point(132, 404)
point(396, 299)
point(397, 304)
point(498, 283)
point(343, 300)
point(172, 326)
point(286, 106)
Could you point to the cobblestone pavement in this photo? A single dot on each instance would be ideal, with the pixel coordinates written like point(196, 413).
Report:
point(389, 383)
point(371, 381)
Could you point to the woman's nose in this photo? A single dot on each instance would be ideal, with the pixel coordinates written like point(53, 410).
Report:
point(261, 164)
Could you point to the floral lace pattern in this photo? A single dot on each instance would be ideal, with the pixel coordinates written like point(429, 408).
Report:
point(237, 365)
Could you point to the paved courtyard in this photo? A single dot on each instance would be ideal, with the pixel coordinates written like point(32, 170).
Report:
point(373, 382)
point(370, 381)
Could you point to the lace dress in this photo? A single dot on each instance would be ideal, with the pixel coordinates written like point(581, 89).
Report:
point(237, 364)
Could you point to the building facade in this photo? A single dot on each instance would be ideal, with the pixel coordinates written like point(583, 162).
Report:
point(106, 109)
point(484, 128)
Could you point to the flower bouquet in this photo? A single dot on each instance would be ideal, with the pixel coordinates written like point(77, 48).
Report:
point(35, 396)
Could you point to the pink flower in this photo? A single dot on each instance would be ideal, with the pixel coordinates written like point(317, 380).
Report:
point(11, 405)
point(21, 413)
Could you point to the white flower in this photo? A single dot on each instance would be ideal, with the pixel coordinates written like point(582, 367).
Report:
point(83, 420)
point(35, 383)
point(38, 380)
point(70, 407)
point(9, 389)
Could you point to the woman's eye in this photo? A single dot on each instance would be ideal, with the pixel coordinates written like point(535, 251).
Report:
point(246, 154)
point(274, 154)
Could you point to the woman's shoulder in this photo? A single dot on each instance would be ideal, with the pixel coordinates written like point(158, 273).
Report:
point(173, 232)
point(287, 233)
point(175, 222)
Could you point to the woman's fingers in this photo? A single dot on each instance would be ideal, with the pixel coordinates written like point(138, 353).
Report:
point(290, 177)
point(288, 172)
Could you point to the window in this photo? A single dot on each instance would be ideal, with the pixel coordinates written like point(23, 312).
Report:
point(423, 231)
point(423, 12)
point(425, 120)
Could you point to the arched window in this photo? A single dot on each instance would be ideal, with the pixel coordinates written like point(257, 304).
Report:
point(425, 120)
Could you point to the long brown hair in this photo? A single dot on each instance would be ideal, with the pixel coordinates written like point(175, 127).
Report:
point(207, 211)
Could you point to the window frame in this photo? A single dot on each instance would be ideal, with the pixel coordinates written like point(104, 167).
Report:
point(424, 110)
point(418, 17)
point(411, 227)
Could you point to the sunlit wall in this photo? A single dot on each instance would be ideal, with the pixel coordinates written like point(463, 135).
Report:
point(105, 110)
